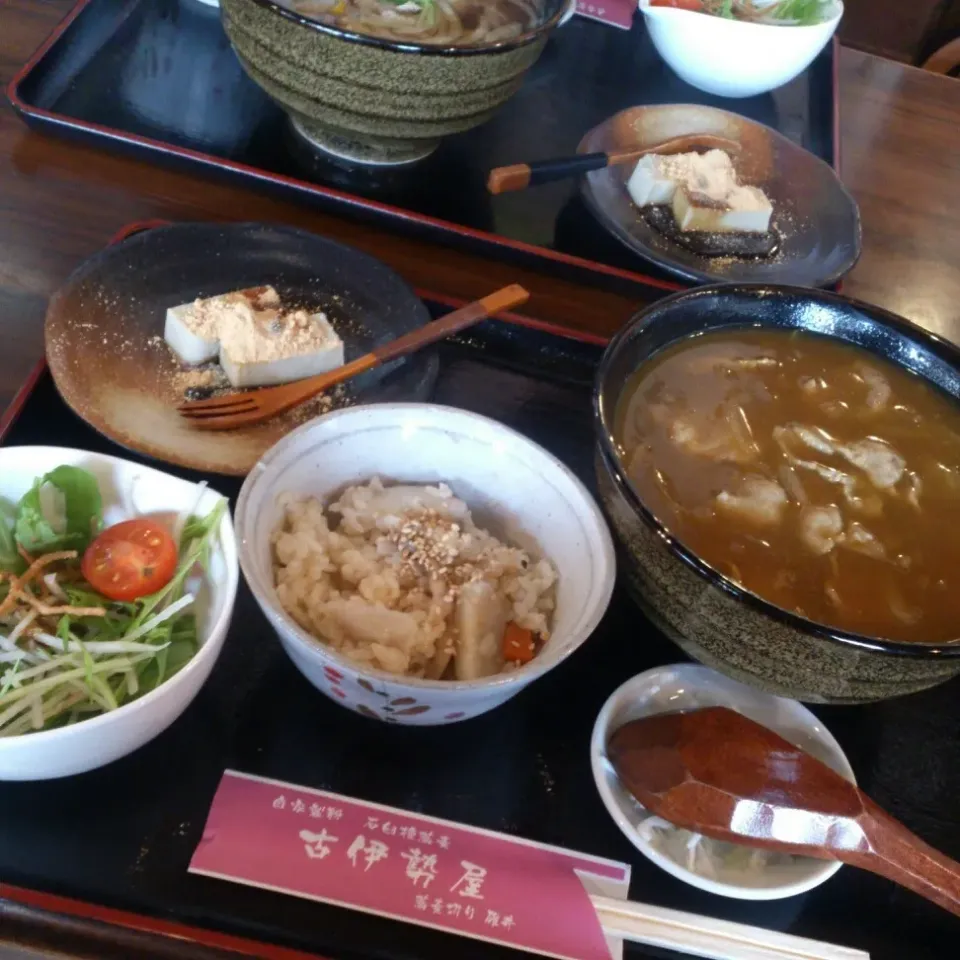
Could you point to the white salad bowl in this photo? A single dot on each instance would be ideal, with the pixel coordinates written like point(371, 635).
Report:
point(128, 490)
point(732, 58)
point(689, 686)
point(514, 488)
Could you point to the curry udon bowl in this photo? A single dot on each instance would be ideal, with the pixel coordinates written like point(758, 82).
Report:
point(709, 615)
point(373, 100)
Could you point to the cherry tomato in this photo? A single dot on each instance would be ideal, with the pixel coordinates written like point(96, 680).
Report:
point(695, 5)
point(130, 560)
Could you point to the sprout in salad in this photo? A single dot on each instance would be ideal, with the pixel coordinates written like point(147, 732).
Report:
point(796, 13)
point(71, 648)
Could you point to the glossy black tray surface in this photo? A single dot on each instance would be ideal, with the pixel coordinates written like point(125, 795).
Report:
point(159, 79)
point(123, 836)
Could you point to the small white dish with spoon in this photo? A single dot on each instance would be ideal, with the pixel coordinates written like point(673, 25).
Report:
point(731, 871)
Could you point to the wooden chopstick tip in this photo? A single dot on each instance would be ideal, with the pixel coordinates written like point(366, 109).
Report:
point(505, 298)
point(505, 179)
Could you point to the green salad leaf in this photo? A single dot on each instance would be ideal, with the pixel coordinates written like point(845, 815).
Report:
point(786, 12)
point(800, 12)
point(9, 557)
point(87, 665)
point(41, 528)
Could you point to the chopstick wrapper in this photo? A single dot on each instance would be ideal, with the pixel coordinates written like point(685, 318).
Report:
point(433, 873)
point(616, 13)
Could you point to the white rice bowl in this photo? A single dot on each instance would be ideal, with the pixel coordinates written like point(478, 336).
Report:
point(353, 588)
point(513, 488)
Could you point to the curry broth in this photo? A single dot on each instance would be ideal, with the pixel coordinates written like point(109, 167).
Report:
point(813, 474)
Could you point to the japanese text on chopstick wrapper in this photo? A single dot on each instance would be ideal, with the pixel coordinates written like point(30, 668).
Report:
point(321, 846)
point(616, 13)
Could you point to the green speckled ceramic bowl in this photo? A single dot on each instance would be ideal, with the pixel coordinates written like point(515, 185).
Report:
point(374, 101)
point(708, 616)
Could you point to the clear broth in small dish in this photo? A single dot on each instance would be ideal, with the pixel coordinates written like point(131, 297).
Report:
point(815, 475)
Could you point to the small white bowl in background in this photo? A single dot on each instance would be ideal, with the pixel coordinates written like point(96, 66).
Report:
point(689, 686)
point(733, 58)
point(514, 488)
point(128, 490)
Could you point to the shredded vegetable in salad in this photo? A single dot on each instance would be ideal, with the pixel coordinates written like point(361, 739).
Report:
point(91, 618)
point(797, 13)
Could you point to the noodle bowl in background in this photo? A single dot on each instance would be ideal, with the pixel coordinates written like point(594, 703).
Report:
point(442, 22)
point(377, 83)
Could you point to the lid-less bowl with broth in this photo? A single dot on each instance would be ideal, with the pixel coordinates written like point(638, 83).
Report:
point(379, 83)
point(779, 465)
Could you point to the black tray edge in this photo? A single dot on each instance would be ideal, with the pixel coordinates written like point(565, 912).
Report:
point(43, 920)
point(8, 417)
point(558, 264)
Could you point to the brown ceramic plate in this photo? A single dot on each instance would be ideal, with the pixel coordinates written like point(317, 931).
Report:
point(104, 332)
point(817, 220)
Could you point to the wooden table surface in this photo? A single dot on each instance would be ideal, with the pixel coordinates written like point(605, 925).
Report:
point(60, 203)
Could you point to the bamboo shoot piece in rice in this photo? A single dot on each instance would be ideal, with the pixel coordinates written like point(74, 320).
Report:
point(401, 579)
point(482, 616)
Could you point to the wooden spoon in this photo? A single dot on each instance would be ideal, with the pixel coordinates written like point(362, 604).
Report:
point(519, 176)
point(723, 775)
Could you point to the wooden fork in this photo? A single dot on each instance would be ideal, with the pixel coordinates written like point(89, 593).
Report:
point(234, 410)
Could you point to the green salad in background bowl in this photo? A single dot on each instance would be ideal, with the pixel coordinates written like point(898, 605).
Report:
point(791, 13)
point(740, 48)
point(117, 583)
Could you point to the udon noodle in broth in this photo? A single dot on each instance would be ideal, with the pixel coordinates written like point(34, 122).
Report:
point(811, 473)
point(442, 22)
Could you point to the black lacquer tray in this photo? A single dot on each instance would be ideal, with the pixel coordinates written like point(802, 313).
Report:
point(158, 79)
point(122, 837)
